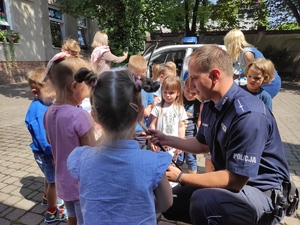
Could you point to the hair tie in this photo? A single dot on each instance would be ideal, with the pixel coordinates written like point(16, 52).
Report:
point(91, 84)
point(137, 81)
point(58, 56)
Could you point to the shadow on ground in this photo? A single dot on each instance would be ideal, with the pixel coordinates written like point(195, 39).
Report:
point(18, 90)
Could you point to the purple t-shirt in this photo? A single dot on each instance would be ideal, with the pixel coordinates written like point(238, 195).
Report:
point(65, 124)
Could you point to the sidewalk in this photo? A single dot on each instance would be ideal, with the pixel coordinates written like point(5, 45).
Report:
point(21, 182)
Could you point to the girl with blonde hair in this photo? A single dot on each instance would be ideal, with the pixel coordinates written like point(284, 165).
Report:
point(243, 53)
point(101, 57)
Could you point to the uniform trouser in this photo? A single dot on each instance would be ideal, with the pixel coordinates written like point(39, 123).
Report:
point(220, 206)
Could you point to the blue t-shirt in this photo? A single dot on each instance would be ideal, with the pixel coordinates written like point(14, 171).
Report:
point(262, 95)
point(147, 98)
point(34, 123)
point(117, 182)
point(244, 139)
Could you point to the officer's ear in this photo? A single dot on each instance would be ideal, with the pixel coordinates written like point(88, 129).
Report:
point(215, 75)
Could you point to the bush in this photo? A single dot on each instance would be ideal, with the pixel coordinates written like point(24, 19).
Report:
point(280, 57)
point(9, 36)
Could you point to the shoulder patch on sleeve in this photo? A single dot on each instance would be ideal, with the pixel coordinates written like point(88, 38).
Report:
point(241, 106)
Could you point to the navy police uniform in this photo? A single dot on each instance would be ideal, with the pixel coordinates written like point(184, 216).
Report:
point(244, 139)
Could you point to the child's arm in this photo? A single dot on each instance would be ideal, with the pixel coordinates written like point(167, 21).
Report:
point(199, 117)
point(88, 138)
point(153, 126)
point(181, 133)
point(163, 195)
point(147, 110)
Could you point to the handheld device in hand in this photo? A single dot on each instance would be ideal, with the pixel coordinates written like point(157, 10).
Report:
point(126, 49)
point(148, 132)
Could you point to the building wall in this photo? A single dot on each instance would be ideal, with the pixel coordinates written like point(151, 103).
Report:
point(31, 19)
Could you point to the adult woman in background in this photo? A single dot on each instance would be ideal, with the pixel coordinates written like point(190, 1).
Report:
point(101, 57)
point(243, 53)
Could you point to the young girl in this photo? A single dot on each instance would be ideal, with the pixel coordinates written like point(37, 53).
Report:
point(169, 115)
point(259, 72)
point(163, 72)
point(67, 126)
point(119, 183)
point(101, 57)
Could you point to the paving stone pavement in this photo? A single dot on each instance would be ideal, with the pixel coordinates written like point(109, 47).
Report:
point(21, 182)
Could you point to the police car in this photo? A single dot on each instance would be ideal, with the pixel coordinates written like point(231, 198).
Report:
point(177, 53)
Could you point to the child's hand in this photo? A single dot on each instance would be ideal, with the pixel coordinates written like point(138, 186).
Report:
point(147, 111)
point(177, 152)
point(154, 148)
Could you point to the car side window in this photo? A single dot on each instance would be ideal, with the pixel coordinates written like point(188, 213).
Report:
point(176, 56)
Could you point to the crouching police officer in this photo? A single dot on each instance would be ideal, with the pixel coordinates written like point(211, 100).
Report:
point(246, 150)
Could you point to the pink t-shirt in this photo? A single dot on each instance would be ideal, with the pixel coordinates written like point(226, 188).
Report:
point(64, 125)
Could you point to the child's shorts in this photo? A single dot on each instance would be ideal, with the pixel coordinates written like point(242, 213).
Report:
point(74, 210)
point(46, 165)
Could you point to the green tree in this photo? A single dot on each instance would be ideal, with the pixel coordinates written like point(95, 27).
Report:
point(284, 11)
point(125, 21)
point(239, 13)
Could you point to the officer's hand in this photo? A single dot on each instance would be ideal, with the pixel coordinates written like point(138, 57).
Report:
point(172, 173)
point(157, 136)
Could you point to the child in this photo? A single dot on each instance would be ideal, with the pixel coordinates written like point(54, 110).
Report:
point(119, 183)
point(155, 69)
point(163, 72)
point(44, 96)
point(192, 107)
point(137, 65)
point(169, 115)
point(101, 57)
point(172, 65)
point(67, 125)
point(258, 72)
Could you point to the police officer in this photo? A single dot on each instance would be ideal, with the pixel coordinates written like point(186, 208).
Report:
point(246, 151)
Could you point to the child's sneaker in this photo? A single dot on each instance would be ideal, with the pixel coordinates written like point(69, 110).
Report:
point(58, 215)
point(44, 201)
point(59, 202)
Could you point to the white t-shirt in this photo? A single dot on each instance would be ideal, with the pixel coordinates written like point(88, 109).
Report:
point(168, 119)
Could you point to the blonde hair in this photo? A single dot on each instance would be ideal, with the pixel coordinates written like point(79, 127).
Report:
point(100, 38)
point(71, 46)
point(265, 66)
point(172, 65)
point(61, 73)
point(235, 42)
point(35, 78)
point(137, 65)
point(155, 70)
point(188, 82)
point(165, 71)
point(172, 83)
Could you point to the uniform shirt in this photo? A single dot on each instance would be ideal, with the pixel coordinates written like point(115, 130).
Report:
point(117, 182)
point(192, 109)
point(65, 124)
point(243, 138)
point(35, 125)
point(262, 95)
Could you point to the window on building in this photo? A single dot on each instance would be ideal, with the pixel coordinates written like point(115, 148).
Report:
point(56, 26)
point(82, 30)
point(3, 17)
